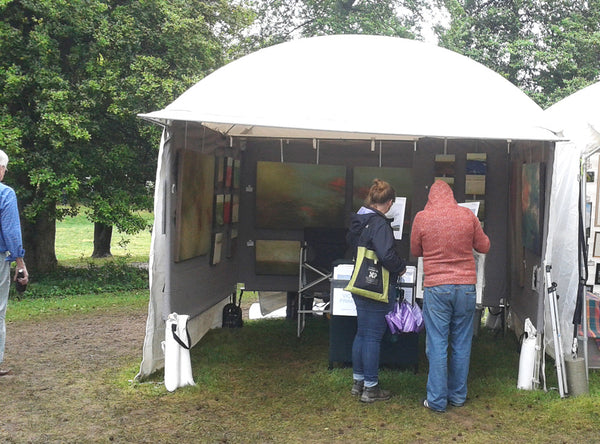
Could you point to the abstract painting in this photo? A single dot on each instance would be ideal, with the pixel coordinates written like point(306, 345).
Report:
point(194, 204)
point(279, 257)
point(532, 206)
point(291, 196)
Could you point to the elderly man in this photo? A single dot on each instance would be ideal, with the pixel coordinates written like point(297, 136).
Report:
point(11, 247)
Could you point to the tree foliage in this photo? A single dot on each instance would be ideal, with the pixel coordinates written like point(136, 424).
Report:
point(549, 49)
point(277, 21)
point(73, 77)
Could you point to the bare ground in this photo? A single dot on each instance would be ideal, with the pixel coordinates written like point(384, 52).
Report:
point(62, 387)
point(59, 367)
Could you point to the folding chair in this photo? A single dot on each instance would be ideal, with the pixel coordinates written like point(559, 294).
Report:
point(320, 248)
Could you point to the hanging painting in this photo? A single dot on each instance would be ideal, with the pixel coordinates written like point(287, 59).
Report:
point(532, 206)
point(291, 196)
point(196, 173)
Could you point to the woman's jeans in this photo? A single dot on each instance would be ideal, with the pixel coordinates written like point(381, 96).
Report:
point(371, 326)
point(448, 312)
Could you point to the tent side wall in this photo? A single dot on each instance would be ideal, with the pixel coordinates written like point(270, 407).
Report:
point(525, 257)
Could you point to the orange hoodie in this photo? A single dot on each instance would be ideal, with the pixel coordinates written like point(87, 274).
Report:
point(445, 234)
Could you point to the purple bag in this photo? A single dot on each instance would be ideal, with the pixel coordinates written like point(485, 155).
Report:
point(405, 318)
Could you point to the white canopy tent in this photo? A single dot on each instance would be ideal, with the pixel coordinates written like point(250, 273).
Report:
point(357, 87)
point(345, 87)
point(578, 118)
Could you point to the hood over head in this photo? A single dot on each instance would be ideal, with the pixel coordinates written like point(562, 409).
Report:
point(440, 195)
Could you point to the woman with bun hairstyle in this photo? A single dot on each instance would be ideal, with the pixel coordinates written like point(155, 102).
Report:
point(371, 229)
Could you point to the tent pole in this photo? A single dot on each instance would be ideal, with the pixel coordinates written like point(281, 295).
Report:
point(318, 150)
point(281, 149)
point(380, 154)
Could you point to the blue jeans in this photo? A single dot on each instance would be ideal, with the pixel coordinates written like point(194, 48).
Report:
point(371, 327)
point(448, 312)
point(4, 288)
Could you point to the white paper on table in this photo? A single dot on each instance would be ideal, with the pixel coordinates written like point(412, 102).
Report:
point(397, 214)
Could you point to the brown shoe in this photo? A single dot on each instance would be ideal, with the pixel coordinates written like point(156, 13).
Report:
point(4, 372)
point(372, 394)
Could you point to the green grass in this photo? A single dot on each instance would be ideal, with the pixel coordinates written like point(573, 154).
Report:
point(75, 241)
point(261, 383)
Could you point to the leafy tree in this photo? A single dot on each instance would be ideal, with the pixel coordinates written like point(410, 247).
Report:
point(73, 76)
point(549, 49)
point(281, 20)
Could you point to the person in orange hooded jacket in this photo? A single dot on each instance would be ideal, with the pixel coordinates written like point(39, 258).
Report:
point(445, 235)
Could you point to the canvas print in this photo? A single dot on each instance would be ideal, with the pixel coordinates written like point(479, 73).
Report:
point(532, 206)
point(474, 185)
point(235, 209)
point(228, 172)
point(217, 248)
point(220, 162)
point(445, 165)
point(219, 210)
point(279, 257)
point(476, 164)
point(293, 195)
point(236, 173)
point(399, 178)
point(196, 178)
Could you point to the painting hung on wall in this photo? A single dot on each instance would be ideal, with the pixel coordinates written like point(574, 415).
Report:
point(532, 188)
point(399, 178)
point(278, 257)
point(217, 248)
point(445, 168)
point(194, 213)
point(294, 195)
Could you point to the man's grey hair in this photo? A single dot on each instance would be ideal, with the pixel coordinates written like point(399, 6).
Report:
point(3, 159)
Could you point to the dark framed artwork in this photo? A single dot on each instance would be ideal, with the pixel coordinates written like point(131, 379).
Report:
point(291, 196)
point(217, 248)
point(596, 249)
point(277, 257)
point(194, 214)
point(597, 276)
point(399, 178)
point(590, 176)
point(532, 206)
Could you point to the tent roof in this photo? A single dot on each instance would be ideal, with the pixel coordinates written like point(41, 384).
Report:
point(578, 117)
point(358, 87)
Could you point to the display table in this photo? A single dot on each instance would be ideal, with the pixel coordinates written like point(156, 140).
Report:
point(397, 351)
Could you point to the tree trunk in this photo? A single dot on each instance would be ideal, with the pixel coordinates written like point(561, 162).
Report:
point(39, 240)
point(102, 238)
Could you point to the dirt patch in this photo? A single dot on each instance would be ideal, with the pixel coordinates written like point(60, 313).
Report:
point(62, 384)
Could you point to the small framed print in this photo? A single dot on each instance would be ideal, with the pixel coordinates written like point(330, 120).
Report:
point(597, 276)
point(597, 244)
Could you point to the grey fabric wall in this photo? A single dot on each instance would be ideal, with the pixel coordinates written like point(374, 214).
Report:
point(194, 285)
point(393, 154)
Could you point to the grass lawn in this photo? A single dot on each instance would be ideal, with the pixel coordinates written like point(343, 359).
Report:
point(262, 384)
point(75, 241)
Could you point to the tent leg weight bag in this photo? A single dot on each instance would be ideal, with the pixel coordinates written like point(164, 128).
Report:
point(176, 347)
point(232, 312)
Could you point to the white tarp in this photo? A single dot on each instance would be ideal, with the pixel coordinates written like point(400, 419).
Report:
point(358, 87)
point(578, 119)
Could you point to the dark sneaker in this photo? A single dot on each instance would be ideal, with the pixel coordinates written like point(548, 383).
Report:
point(426, 405)
point(456, 404)
point(357, 388)
point(372, 394)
